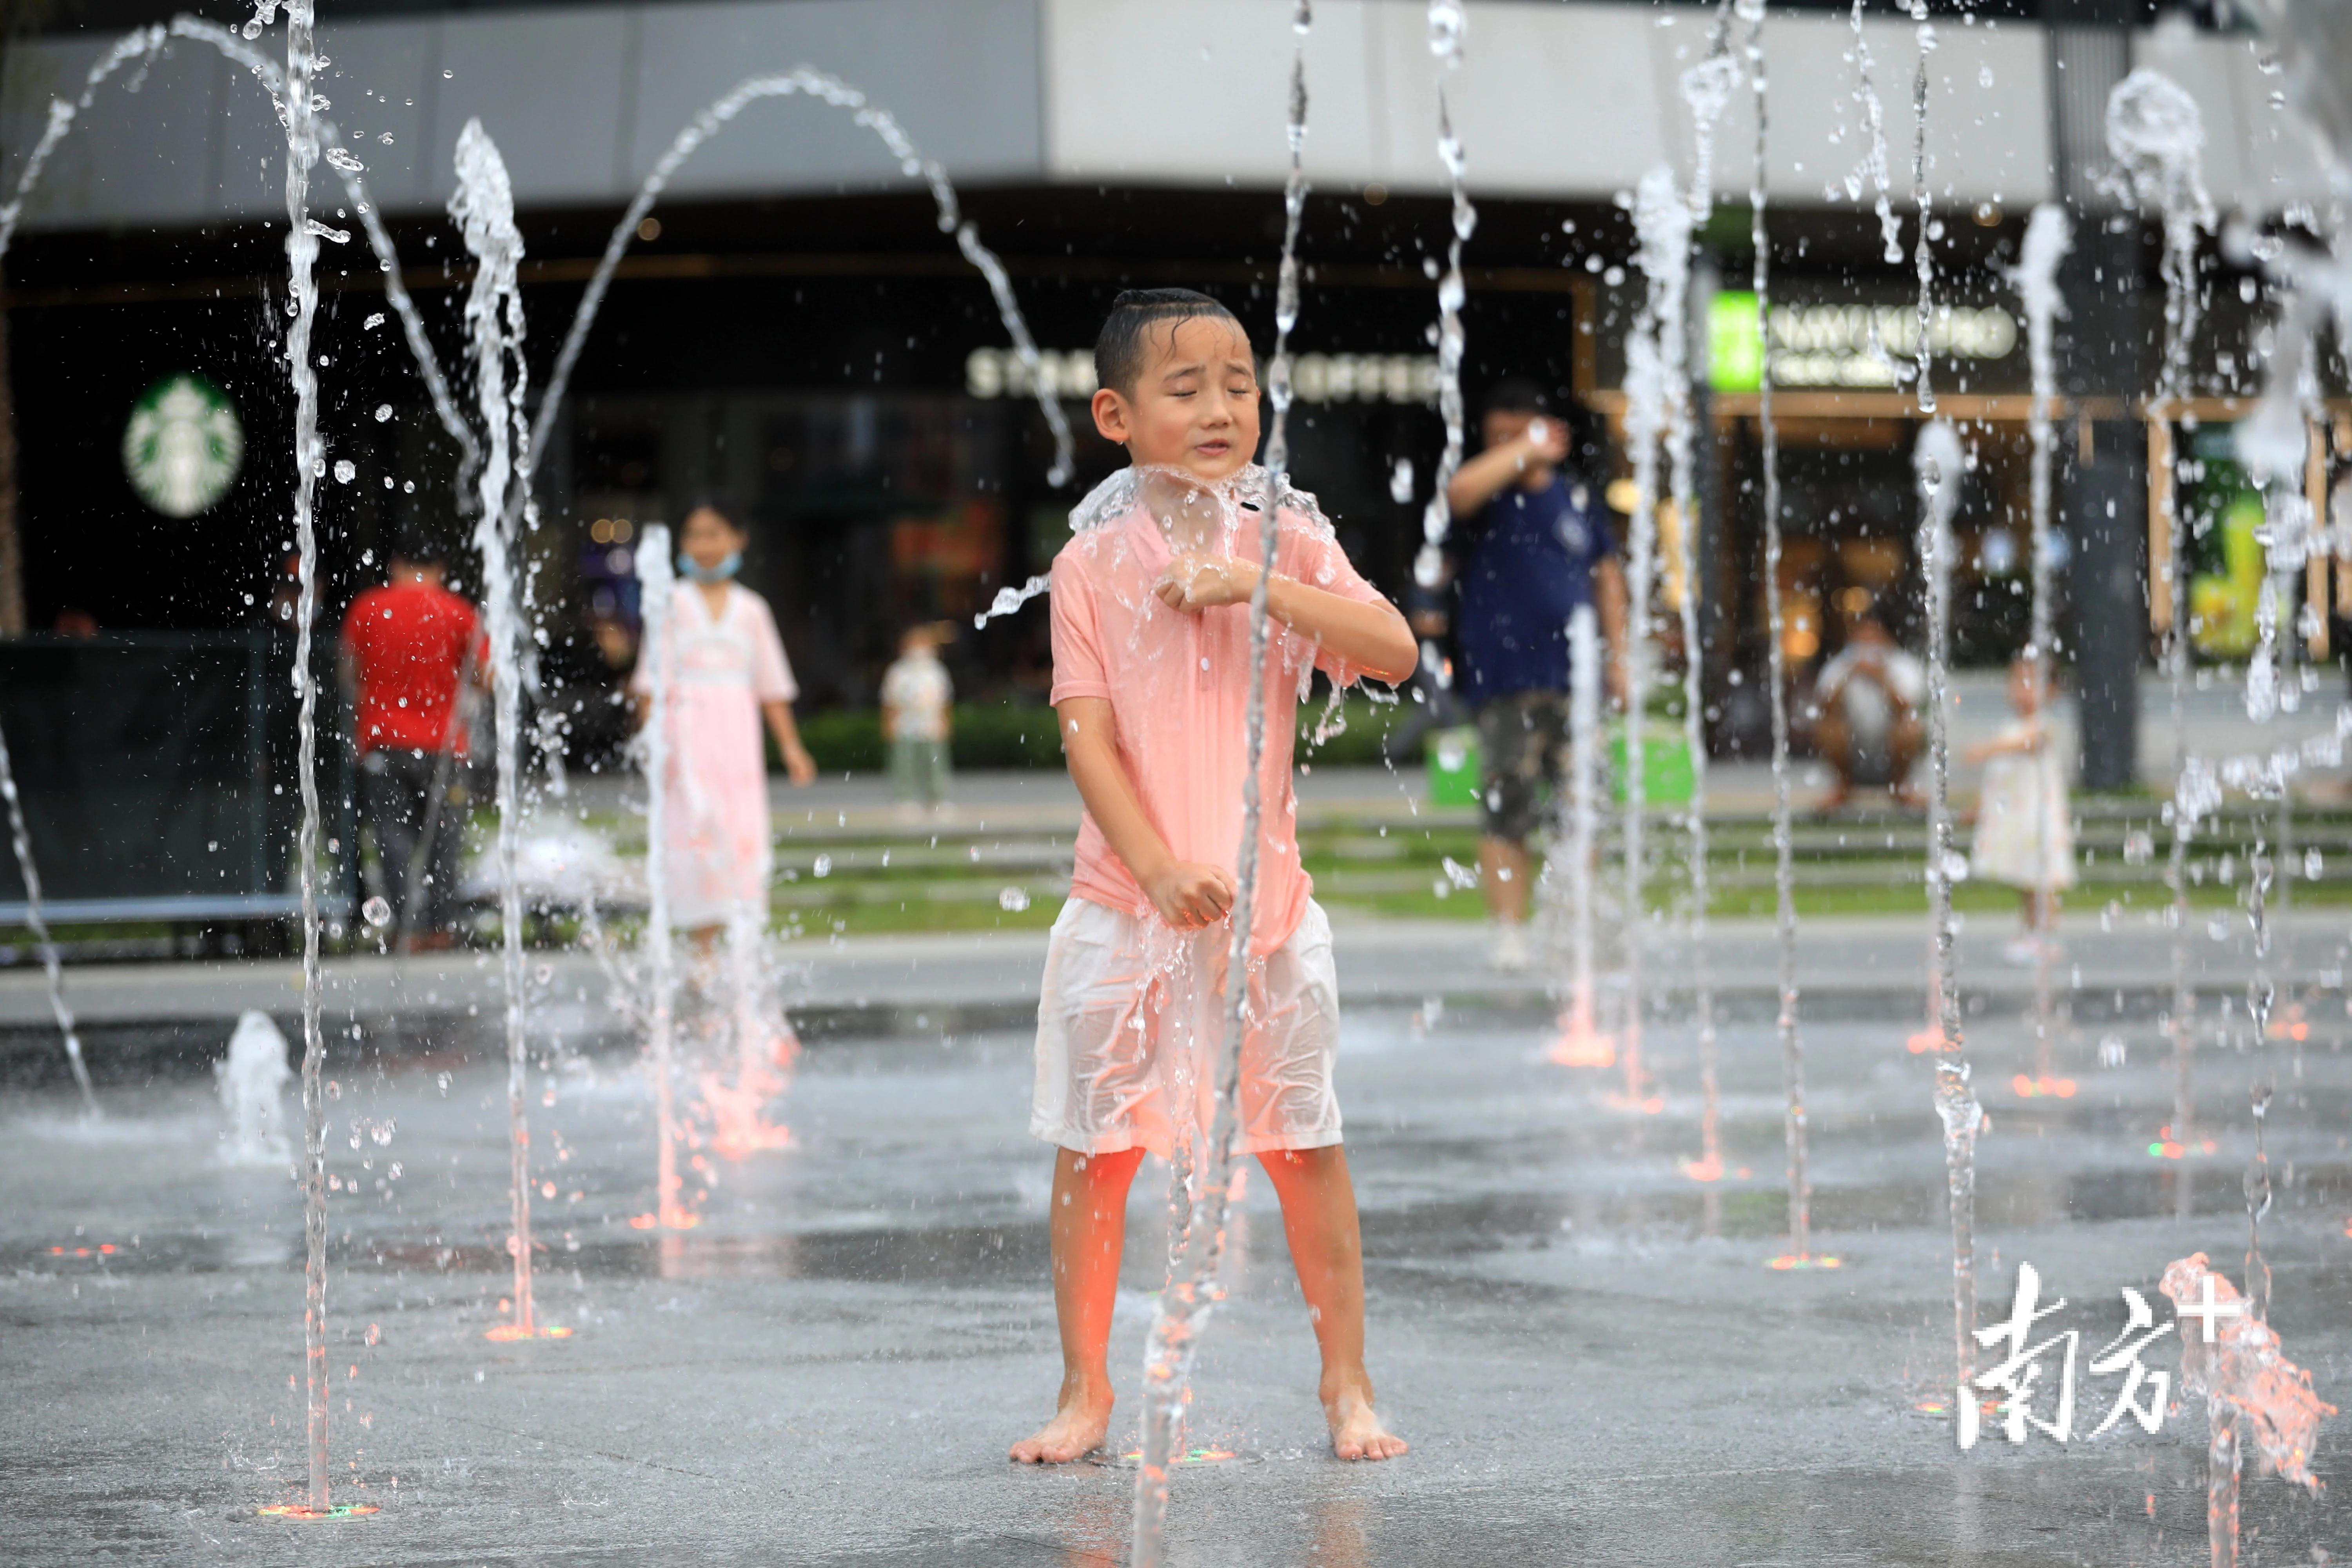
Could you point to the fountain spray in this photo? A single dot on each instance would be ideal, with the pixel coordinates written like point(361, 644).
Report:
point(2048, 237)
point(55, 972)
point(2260, 997)
point(1706, 88)
point(1874, 162)
point(1197, 1244)
point(1673, 363)
point(1784, 873)
point(483, 208)
point(1654, 392)
point(1940, 464)
point(303, 233)
point(655, 581)
point(2156, 137)
point(805, 82)
point(1447, 21)
point(1579, 1043)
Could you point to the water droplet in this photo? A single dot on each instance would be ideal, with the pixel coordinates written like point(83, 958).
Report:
point(1013, 900)
point(378, 913)
point(824, 867)
point(382, 412)
point(345, 470)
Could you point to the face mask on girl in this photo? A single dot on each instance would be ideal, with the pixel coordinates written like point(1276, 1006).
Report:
point(727, 567)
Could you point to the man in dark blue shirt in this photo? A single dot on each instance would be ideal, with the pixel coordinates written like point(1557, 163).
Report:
point(1529, 546)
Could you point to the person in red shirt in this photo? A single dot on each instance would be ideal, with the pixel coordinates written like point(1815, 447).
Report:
point(406, 651)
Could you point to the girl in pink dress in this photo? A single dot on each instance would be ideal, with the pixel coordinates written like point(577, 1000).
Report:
point(728, 671)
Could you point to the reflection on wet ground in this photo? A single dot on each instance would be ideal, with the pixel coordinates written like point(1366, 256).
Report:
point(1586, 1345)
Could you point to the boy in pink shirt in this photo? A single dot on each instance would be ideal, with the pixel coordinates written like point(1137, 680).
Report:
point(1150, 609)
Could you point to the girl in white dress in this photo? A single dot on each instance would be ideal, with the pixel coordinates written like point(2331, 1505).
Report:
point(728, 671)
point(2025, 833)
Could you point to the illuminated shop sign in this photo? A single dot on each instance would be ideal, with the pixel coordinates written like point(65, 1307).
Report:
point(183, 445)
point(1314, 378)
point(1844, 344)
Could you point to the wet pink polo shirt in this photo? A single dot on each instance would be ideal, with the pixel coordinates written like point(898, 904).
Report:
point(1174, 683)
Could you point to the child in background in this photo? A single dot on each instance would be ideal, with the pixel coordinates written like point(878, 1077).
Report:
point(1151, 683)
point(2025, 836)
point(726, 671)
point(405, 648)
point(917, 719)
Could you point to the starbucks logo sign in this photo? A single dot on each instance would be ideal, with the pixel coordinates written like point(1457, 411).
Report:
point(184, 445)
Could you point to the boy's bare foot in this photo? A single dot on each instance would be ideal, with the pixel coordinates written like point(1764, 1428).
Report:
point(1076, 1429)
point(1357, 1431)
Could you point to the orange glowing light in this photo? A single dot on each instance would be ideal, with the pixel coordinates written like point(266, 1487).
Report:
point(1925, 1041)
point(506, 1333)
point(1708, 1170)
point(1648, 1105)
point(1582, 1048)
point(1789, 1260)
point(738, 1111)
point(304, 1511)
point(2042, 1088)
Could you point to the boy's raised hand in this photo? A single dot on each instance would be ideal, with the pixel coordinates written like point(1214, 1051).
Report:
point(1195, 580)
point(1189, 895)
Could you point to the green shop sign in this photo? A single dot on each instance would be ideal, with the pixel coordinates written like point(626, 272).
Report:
point(1735, 342)
point(182, 445)
point(1854, 343)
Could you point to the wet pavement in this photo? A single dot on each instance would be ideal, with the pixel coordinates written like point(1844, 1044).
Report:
point(1588, 1350)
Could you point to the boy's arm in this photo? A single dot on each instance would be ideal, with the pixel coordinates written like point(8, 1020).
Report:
point(1498, 467)
point(1608, 581)
point(1373, 636)
point(1188, 895)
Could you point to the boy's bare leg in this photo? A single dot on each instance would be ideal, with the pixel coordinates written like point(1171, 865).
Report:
point(1504, 872)
point(1089, 1230)
point(1318, 1219)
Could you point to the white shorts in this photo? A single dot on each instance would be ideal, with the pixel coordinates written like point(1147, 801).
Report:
point(1130, 1019)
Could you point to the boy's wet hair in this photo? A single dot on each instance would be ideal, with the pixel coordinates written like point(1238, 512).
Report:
point(1121, 346)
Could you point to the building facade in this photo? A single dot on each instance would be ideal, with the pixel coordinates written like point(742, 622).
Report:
point(792, 330)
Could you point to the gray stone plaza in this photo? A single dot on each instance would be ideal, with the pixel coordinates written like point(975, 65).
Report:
point(1590, 1351)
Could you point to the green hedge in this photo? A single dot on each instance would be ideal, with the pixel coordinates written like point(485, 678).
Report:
point(987, 735)
point(1020, 735)
point(1358, 745)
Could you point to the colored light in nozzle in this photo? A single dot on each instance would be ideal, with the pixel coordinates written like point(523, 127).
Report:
point(304, 1511)
point(2042, 1088)
point(505, 1332)
point(1577, 1048)
point(1190, 1456)
point(1789, 1260)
